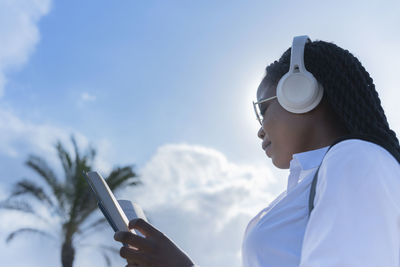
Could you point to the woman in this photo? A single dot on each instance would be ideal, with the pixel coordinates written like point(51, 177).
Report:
point(356, 204)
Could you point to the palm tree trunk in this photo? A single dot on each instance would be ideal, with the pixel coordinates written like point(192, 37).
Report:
point(67, 254)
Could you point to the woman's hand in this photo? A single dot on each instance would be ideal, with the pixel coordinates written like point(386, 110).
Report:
point(153, 250)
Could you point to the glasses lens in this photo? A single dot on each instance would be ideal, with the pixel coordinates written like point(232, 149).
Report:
point(260, 107)
point(258, 112)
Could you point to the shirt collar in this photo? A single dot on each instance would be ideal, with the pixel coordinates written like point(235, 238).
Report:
point(302, 163)
point(308, 159)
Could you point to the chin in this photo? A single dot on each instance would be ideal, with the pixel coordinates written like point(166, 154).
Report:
point(281, 164)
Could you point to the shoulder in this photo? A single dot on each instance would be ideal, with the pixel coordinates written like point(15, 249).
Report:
point(360, 152)
point(357, 199)
point(356, 167)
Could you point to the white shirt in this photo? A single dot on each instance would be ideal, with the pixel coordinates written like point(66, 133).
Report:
point(356, 215)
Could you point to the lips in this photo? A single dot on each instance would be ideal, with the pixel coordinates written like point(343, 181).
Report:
point(265, 144)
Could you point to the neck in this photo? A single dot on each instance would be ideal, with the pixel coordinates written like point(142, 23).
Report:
point(326, 128)
point(325, 139)
point(325, 134)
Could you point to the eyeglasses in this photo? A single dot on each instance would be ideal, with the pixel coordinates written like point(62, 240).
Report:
point(257, 108)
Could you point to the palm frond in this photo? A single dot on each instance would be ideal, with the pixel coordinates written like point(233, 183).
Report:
point(90, 155)
point(113, 250)
point(122, 176)
point(22, 206)
point(89, 229)
point(65, 159)
point(106, 258)
point(27, 187)
point(77, 185)
point(17, 205)
point(13, 234)
point(76, 149)
point(41, 167)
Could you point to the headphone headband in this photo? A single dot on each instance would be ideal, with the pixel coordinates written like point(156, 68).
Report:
point(297, 54)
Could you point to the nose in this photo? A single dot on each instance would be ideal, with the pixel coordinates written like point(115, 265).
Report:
point(261, 133)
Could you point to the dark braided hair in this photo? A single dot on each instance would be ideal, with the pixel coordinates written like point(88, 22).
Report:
point(348, 89)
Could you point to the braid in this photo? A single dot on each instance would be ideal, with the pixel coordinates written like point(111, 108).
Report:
point(348, 88)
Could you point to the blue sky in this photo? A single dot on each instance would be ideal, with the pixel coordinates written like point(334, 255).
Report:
point(145, 81)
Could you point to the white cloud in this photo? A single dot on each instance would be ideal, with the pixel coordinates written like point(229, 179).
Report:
point(19, 137)
point(202, 201)
point(86, 97)
point(18, 33)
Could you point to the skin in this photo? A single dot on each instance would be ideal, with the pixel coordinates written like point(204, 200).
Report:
point(289, 133)
point(153, 250)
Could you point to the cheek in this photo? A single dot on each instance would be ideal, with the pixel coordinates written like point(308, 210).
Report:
point(277, 124)
point(281, 128)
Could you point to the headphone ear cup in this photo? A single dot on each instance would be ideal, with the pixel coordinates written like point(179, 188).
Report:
point(299, 92)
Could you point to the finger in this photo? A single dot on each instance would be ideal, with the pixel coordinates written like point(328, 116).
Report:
point(134, 240)
point(144, 227)
point(135, 256)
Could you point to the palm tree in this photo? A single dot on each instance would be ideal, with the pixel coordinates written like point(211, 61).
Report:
point(69, 199)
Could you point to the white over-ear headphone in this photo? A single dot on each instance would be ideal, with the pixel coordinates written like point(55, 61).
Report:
point(298, 91)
